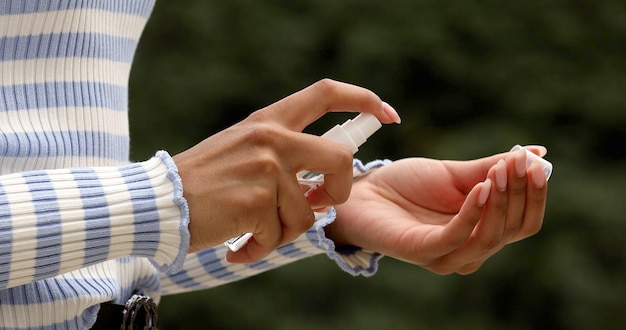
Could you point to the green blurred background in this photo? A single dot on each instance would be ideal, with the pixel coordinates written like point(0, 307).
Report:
point(469, 78)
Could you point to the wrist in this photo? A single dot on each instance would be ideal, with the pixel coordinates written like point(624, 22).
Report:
point(335, 231)
point(340, 233)
point(333, 234)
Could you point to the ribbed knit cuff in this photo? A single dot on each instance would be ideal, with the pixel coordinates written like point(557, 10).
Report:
point(176, 225)
point(148, 215)
point(353, 260)
point(360, 169)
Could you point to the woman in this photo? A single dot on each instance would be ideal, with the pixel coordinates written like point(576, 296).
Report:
point(84, 231)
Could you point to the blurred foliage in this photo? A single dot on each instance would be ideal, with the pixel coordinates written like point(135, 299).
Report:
point(469, 78)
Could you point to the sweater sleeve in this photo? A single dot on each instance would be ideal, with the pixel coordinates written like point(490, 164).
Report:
point(55, 221)
point(209, 268)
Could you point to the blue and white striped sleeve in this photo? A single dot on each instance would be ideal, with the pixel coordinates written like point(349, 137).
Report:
point(209, 268)
point(55, 221)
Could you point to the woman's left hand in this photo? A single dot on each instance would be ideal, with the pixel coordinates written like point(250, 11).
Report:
point(446, 216)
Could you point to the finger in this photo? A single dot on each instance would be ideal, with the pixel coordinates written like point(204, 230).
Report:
point(266, 234)
point(330, 158)
point(536, 193)
point(474, 171)
point(516, 168)
point(537, 150)
point(294, 217)
point(489, 231)
point(295, 213)
point(487, 235)
point(302, 108)
point(335, 190)
point(251, 252)
point(466, 174)
point(456, 233)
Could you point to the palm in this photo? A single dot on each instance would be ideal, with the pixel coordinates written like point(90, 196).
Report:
point(432, 197)
point(406, 211)
point(425, 212)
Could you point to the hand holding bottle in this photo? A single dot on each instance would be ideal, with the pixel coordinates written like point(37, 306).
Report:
point(243, 179)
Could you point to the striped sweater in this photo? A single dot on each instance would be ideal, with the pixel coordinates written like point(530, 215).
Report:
point(79, 223)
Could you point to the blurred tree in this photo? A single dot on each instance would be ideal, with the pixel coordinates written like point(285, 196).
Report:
point(470, 78)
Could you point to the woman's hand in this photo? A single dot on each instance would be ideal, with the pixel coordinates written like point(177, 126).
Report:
point(243, 179)
point(446, 216)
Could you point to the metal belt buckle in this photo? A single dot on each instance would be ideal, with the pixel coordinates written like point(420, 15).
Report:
point(140, 312)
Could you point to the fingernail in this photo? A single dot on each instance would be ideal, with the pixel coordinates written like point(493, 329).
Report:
point(391, 112)
point(520, 163)
point(485, 189)
point(542, 150)
point(501, 180)
point(530, 158)
point(538, 176)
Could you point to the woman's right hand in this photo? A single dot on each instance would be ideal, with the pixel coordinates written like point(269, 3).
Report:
point(243, 179)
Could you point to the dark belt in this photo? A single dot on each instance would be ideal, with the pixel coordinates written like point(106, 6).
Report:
point(139, 312)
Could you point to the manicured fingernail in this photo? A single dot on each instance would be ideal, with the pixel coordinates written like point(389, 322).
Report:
point(538, 176)
point(391, 112)
point(485, 189)
point(520, 163)
point(542, 150)
point(501, 180)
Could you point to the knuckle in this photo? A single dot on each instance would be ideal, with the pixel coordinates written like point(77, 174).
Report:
point(501, 208)
point(266, 165)
point(370, 98)
point(533, 229)
point(256, 197)
point(441, 266)
point(489, 244)
point(301, 223)
point(512, 230)
point(277, 241)
point(308, 222)
point(338, 195)
point(342, 162)
point(265, 143)
point(263, 135)
point(344, 157)
point(256, 116)
point(327, 90)
point(325, 86)
point(341, 196)
point(440, 270)
point(518, 190)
